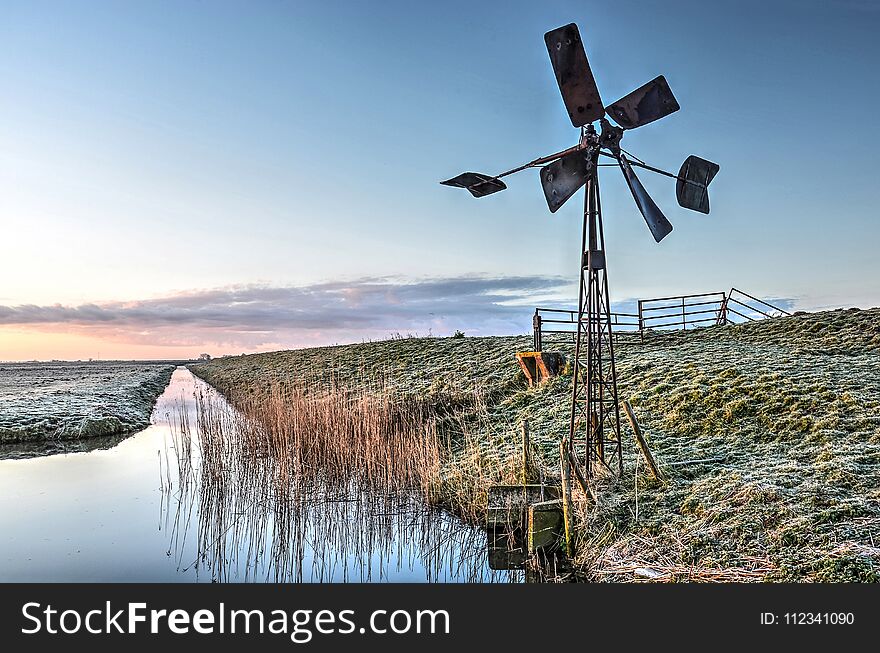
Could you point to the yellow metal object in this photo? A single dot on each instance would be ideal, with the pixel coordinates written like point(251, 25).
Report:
point(539, 366)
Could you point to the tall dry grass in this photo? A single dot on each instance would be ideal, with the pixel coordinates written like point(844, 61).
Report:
point(381, 443)
point(311, 484)
point(364, 438)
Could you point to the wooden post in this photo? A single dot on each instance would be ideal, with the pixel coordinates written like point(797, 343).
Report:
point(721, 317)
point(525, 452)
point(643, 445)
point(581, 479)
point(566, 495)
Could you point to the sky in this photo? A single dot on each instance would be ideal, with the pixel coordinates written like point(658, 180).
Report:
point(226, 177)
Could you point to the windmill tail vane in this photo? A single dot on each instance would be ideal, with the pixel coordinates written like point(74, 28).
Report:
point(594, 425)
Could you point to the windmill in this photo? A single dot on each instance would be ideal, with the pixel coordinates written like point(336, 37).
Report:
point(594, 424)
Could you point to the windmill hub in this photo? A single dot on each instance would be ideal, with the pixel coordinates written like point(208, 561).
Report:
point(593, 438)
point(610, 137)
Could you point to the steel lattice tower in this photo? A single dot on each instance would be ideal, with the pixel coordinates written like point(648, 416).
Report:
point(594, 427)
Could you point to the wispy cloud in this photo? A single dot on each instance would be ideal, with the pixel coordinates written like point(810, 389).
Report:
point(259, 316)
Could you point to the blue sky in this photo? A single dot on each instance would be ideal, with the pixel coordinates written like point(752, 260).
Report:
point(158, 150)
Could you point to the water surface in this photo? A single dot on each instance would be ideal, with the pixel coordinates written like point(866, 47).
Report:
point(139, 512)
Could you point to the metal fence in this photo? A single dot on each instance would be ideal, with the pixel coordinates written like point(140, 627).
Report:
point(662, 313)
point(556, 322)
point(748, 308)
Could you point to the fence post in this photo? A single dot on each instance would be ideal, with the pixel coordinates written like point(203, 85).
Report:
point(727, 305)
point(641, 323)
point(526, 446)
point(536, 326)
point(722, 312)
point(684, 325)
point(643, 445)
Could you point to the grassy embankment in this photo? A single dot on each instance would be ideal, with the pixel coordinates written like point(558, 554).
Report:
point(791, 405)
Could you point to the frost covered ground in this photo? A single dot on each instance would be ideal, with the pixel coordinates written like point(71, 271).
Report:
point(62, 402)
point(791, 406)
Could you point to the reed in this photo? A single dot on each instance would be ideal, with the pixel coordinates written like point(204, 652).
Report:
point(364, 433)
point(313, 484)
point(379, 443)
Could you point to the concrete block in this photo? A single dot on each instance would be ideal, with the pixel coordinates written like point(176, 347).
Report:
point(546, 526)
point(508, 504)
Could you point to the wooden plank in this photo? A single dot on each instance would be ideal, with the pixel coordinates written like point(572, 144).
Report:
point(509, 504)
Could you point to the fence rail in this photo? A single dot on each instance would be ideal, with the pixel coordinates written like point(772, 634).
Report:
point(666, 313)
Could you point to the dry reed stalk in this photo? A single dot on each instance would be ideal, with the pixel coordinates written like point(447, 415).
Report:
point(333, 482)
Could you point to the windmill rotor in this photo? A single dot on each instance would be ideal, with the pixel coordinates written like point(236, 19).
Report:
point(564, 173)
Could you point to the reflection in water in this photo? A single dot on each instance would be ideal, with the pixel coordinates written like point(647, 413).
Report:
point(324, 538)
point(250, 522)
point(20, 450)
point(148, 510)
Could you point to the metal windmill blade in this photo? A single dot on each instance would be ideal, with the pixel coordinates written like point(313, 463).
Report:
point(692, 187)
point(646, 104)
point(478, 184)
point(564, 177)
point(573, 74)
point(658, 224)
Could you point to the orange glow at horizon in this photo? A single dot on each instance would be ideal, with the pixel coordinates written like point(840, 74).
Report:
point(17, 344)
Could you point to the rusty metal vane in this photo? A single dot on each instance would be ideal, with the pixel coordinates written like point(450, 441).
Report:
point(692, 187)
point(658, 224)
point(564, 177)
point(478, 184)
point(573, 74)
point(646, 104)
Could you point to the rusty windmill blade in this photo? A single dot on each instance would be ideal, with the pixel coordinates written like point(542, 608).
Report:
point(478, 184)
point(658, 224)
point(481, 185)
point(564, 177)
point(573, 74)
point(646, 104)
point(692, 187)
